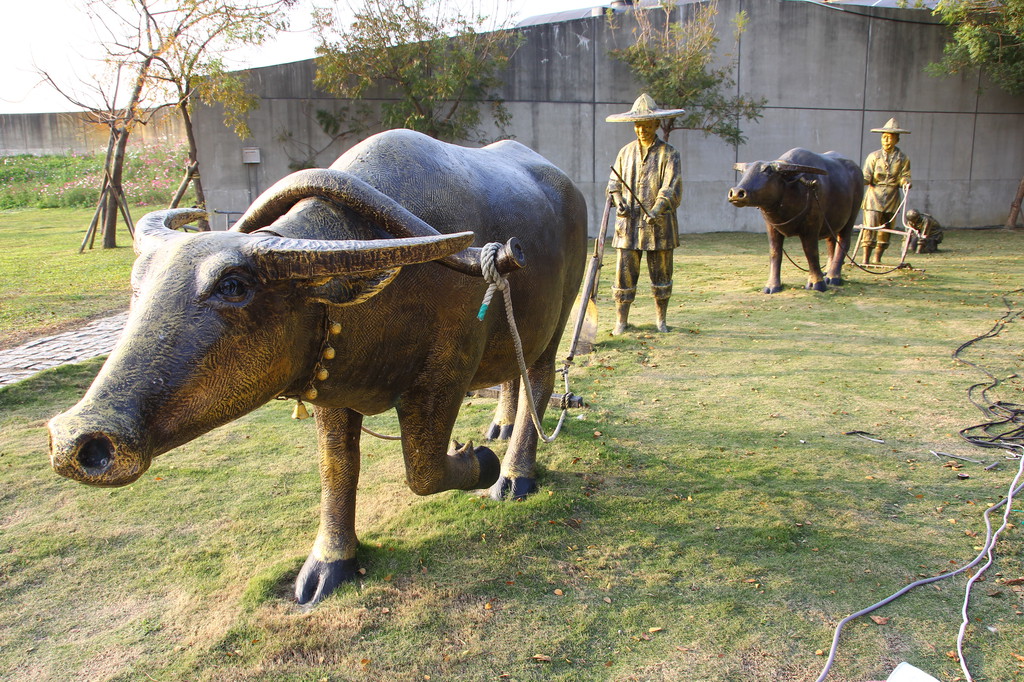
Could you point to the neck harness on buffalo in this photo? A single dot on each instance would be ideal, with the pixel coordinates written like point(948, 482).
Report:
point(320, 372)
point(813, 189)
point(495, 282)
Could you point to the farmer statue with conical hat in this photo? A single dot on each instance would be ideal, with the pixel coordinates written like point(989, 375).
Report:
point(885, 171)
point(646, 187)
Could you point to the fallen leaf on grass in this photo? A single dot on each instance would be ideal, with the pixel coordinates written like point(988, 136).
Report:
point(879, 620)
point(1017, 656)
point(559, 593)
point(1014, 581)
point(542, 657)
point(653, 630)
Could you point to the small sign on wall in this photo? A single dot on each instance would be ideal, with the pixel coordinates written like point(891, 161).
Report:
point(250, 154)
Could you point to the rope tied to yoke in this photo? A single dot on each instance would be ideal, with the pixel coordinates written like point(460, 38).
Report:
point(489, 266)
point(495, 282)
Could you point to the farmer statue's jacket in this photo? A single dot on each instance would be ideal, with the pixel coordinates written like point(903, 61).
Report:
point(656, 176)
point(884, 174)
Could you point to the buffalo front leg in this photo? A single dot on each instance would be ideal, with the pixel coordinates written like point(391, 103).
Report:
point(774, 283)
point(427, 417)
point(815, 277)
point(505, 414)
point(333, 558)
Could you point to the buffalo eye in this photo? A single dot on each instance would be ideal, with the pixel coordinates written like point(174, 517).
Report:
point(232, 288)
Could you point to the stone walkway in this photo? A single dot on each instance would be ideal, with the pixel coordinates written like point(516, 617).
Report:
point(96, 338)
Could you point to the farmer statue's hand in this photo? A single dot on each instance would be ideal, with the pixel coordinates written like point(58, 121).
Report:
point(660, 207)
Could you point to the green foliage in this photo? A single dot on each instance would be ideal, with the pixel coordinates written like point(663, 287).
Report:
point(231, 90)
point(708, 494)
point(987, 34)
point(151, 174)
point(439, 63)
point(674, 61)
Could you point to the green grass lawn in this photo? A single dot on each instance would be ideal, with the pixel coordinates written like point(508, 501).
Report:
point(46, 284)
point(703, 519)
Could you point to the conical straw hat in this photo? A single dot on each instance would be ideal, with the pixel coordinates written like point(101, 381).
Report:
point(644, 109)
point(891, 126)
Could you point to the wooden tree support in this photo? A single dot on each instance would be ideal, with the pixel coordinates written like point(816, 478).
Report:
point(122, 205)
point(1011, 220)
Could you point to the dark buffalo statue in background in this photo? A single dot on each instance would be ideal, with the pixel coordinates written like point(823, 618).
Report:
point(352, 288)
point(806, 195)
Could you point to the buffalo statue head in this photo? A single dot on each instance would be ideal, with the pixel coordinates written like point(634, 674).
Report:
point(220, 323)
point(763, 183)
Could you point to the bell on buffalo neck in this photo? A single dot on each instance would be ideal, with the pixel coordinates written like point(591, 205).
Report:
point(300, 411)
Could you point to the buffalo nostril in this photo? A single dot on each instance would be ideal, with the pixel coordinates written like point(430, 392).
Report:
point(96, 455)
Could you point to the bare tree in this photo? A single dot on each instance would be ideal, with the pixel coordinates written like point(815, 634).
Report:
point(675, 62)
point(438, 58)
point(169, 49)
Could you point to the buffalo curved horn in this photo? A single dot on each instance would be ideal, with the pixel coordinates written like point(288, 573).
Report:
point(160, 226)
point(786, 167)
point(283, 258)
point(369, 202)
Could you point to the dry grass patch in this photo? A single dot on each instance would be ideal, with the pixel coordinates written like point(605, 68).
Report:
point(705, 518)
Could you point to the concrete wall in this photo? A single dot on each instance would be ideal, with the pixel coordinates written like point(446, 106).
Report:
point(829, 77)
point(61, 133)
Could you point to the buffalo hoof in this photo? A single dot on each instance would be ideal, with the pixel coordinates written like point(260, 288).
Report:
point(817, 286)
point(513, 488)
point(317, 579)
point(490, 467)
point(773, 290)
point(834, 281)
point(498, 431)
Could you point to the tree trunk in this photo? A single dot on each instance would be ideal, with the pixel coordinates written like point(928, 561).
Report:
point(1011, 221)
point(116, 170)
point(193, 162)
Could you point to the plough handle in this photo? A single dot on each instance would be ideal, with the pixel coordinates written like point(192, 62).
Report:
point(590, 279)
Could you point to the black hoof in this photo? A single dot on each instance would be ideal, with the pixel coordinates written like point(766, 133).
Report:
point(512, 488)
point(317, 579)
point(490, 467)
point(817, 286)
point(834, 281)
point(498, 431)
point(773, 290)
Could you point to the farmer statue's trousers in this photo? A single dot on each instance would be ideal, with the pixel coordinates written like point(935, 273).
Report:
point(627, 271)
point(877, 219)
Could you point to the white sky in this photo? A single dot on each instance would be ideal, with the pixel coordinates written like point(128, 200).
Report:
point(55, 35)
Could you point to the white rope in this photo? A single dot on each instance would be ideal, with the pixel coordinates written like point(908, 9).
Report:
point(488, 264)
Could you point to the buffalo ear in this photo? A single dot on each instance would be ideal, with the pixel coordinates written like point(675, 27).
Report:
point(350, 289)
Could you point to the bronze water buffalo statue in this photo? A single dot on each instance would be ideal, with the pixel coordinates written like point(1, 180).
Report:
point(806, 195)
point(351, 288)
